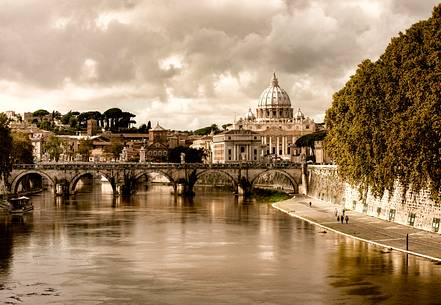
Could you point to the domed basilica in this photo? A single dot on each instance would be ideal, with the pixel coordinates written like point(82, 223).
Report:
point(277, 123)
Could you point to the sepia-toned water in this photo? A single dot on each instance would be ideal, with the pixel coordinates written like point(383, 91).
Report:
point(160, 249)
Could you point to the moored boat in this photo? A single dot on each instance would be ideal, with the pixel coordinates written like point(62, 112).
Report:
point(18, 205)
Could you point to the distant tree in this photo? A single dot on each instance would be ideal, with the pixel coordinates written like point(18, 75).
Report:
point(22, 149)
point(45, 125)
point(73, 122)
point(115, 148)
point(192, 155)
point(142, 128)
point(225, 126)
point(40, 113)
point(149, 126)
point(207, 130)
point(385, 123)
point(85, 148)
point(111, 117)
point(309, 139)
point(54, 147)
point(5, 147)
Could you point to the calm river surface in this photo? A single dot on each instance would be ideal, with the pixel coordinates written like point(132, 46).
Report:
point(158, 249)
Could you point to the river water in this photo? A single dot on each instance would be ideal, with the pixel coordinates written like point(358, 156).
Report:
point(158, 249)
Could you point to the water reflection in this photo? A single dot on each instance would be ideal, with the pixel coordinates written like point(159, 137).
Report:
point(155, 248)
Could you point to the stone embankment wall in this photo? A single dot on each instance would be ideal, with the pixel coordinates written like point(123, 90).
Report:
point(413, 209)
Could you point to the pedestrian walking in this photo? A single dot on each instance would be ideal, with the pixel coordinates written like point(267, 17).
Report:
point(342, 218)
point(310, 203)
point(338, 218)
point(343, 212)
point(347, 218)
point(335, 212)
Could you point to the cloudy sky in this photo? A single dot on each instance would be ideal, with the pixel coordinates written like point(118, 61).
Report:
point(188, 63)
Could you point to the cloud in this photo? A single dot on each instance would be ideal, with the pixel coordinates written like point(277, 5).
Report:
point(188, 63)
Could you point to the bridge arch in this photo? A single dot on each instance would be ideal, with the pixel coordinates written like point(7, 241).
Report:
point(295, 184)
point(147, 172)
point(224, 173)
point(73, 182)
point(17, 179)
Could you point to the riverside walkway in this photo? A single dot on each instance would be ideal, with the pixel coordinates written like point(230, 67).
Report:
point(363, 227)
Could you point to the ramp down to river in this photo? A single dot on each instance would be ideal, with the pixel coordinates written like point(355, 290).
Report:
point(369, 229)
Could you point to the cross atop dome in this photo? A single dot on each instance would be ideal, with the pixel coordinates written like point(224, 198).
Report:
point(274, 81)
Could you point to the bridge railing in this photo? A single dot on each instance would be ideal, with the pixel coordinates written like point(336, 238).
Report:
point(151, 165)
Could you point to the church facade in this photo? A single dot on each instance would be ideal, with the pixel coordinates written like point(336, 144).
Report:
point(277, 123)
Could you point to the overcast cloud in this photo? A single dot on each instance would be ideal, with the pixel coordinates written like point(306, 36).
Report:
point(188, 63)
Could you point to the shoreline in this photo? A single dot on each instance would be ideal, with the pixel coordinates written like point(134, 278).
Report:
point(365, 228)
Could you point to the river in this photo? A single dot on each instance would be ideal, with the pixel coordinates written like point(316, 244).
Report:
point(159, 249)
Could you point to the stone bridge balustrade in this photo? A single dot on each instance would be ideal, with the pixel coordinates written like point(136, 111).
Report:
point(123, 176)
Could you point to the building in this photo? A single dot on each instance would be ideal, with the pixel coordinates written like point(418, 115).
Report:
point(236, 145)
point(277, 123)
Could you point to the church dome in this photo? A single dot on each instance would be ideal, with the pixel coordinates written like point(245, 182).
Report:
point(249, 116)
point(274, 96)
point(299, 115)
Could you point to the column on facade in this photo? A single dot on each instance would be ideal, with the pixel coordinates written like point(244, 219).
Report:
point(270, 145)
point(278, 145)
point(283, 145)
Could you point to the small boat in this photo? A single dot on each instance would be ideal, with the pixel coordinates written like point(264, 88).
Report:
point(18, 205)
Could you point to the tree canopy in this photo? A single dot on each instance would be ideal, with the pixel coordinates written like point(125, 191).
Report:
point(5, 147)
point(309, 139)
point(385, 123)
point(192, 155)
point(21, 148)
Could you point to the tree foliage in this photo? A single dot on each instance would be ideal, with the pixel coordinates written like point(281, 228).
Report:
point(40, 113)
point(54, 147)
point(309, 139)
point(207, 130)
point(385, 123)
point(192, 155)
point(85, 147)
point(21, 149)
point(5, 147)
point(115, 148)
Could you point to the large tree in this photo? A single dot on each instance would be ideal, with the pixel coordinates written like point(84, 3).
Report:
point(54, 147)
point(5, 147)
point(385, 123)
point(21, 148)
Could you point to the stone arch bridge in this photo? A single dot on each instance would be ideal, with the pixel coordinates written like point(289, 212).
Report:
point(123, 177)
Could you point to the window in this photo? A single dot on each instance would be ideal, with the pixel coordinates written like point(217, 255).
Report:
point(392, 215)
point(229, 138)
point(229, 158)
point(229, 151)
point(242, 149)
point(411, 219)
point(280, 152)
point(255, 151)
point(435, 224)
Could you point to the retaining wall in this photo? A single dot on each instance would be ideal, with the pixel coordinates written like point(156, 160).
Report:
point(413, 209)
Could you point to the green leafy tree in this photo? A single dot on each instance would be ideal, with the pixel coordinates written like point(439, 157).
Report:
point(309, 139)
point(54, 147)
point(115, 148)
point(85, 147)
point(40, 113)
point(207, 130)
point(385, 123)
point(22, 149)
point(192, 155)
point(5, 147)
